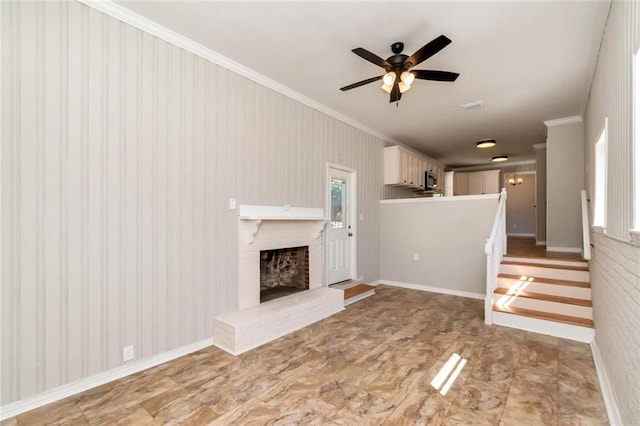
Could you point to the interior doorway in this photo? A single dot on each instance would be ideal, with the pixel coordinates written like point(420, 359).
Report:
point(521, 204)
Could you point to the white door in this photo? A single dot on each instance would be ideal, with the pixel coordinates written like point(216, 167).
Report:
point(340, 237)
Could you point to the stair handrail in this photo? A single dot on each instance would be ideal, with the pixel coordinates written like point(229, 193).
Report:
point(495, 247)
point(586, 237)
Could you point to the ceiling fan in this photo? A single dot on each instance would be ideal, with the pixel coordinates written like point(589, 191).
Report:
point(400, 65)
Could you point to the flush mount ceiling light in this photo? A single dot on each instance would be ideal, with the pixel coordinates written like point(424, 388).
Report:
point(486, 143)
point(499, 158)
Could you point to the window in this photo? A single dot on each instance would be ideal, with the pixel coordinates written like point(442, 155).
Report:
point(600, 179)
point(636, 138)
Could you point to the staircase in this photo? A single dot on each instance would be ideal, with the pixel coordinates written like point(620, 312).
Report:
point(549, 296)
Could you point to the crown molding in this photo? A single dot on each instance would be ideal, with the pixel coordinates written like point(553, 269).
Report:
point(539, 145)
point(125, 15)
point(482, 167)
point(564, 120)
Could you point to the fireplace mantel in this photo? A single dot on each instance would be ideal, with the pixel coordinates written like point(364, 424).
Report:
point(252, 216)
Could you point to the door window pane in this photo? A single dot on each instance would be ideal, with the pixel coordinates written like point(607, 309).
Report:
point(338, 194)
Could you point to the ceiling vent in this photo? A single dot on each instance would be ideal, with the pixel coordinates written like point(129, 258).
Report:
point(476, 104)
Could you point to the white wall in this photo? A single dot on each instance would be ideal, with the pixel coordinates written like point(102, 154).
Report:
point(447, 233)
point(119, 155)
point(541, 193)
point(565, 179)
point(615, 265)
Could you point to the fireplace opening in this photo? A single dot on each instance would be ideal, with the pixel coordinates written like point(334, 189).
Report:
point(283, 271)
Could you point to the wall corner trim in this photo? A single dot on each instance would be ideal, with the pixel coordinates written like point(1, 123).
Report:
point(125, 15)
point(64, 391)
point(605, 386)
point(564, 120)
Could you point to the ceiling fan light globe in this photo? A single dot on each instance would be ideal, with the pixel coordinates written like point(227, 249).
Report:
point(407, 78)
point(386, 87)
point(403, 87)
point(389, 78)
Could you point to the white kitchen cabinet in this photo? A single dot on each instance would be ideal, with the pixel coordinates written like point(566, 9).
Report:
point(403, 168)
point(460, 181)
point(491, 182)
point(476, 183)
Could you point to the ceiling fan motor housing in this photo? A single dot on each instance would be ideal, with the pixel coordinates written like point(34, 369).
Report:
point(397, 47)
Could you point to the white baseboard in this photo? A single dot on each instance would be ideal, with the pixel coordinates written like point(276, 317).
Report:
point(605, 387)
point(565, 249)
point(541, 243)
point(61, 392)
point(430, 289)
point(509, 234)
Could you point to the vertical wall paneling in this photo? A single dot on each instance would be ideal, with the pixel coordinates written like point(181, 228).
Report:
point(615, 279)
point(120, 153)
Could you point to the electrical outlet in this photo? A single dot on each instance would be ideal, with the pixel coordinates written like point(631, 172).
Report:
point(416, 257)
point(127, 353)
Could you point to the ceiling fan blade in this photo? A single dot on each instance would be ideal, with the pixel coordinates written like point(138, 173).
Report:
point(435, 75)
point(361, 83)
point(428, 50)
point(371, 57)
point(395, 92)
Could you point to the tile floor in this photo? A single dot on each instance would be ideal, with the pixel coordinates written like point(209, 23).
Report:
point(373, 363)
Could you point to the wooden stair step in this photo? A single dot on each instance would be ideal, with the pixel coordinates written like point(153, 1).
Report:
point(582, 322)
point(545, 265)
point(582, 284)
point(514, 257)
point(356, 290)
point(546, 297)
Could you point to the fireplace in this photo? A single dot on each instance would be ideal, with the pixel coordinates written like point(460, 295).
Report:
point(283, 272)
point(279, 252)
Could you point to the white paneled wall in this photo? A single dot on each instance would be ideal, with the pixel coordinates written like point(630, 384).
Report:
point(119, 155)
point(611, 97)
point(615, 263)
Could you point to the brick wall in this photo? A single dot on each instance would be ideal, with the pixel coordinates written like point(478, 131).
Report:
point(615, 278)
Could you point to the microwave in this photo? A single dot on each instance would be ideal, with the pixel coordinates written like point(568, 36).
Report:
point(430, 181)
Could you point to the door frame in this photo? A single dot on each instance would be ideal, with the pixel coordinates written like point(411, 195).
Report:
point(351, 218)
point(535, 195)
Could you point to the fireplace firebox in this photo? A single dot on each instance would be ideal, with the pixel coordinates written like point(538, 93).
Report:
point(283, 271)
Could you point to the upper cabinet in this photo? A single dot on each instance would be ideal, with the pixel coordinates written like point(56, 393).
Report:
point(475, 183)
point(405, 168)
point(460, 181)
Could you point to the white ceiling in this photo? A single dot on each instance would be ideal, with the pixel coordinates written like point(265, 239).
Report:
point(528, 61)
